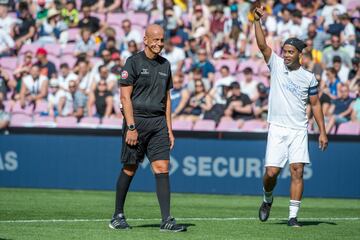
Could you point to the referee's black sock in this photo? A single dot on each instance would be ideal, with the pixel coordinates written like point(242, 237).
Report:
point(122, 187)
point(163, 193)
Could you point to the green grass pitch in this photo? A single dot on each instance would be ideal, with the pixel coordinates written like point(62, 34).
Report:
point(65, 214)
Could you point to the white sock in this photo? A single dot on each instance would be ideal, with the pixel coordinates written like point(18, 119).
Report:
point(268, 197)
point(294, 208)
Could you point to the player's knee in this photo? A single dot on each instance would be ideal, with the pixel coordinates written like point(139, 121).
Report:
point(272, 173)
point(161, 166)
point(297, 172)
point(130, 170)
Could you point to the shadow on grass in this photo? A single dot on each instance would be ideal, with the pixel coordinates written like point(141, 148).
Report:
point(308, 223)
point(4, 238)
point(158, 225)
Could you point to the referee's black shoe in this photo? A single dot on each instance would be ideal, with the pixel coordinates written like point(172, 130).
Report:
point(119, 222)
point(264, 211)
point(293, 222)
point(169, 225)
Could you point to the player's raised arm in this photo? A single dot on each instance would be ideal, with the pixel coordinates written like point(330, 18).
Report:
point(260, 37)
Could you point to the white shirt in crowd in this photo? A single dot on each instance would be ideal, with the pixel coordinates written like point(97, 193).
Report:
point(289, 94)
point(64, 81)
point(54, 99)
point(327, 13)
point(6, 41)
point(285, 30)
point(174, 57)
point(249, 88)
point(7, 23)
point(33, 86)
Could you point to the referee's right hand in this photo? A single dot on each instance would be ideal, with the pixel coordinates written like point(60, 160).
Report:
point(131, 137)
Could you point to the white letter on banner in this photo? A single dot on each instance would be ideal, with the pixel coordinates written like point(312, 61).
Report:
point(189, 166)
point(308, 172)
point(1, 163)
point(11, 163)
point(205, 166)
point(253, 165)
point(236, 171)
point(216, 167)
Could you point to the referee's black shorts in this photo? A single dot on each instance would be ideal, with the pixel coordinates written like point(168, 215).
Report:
point(153, 141)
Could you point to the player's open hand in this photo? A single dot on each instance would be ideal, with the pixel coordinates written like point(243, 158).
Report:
point(258, 13)
point(323, 141)
point(171, 139)
point(131, 138)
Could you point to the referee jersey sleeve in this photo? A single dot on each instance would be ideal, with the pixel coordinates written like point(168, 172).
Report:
point(128, 73)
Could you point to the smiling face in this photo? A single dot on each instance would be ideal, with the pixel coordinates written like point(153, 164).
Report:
point(291, 55)
point(154, 40)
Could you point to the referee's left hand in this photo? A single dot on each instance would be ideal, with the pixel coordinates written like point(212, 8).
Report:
point(172, 140)
point(131, 138)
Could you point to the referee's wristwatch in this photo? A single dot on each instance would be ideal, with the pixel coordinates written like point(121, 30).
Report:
point(131, 127)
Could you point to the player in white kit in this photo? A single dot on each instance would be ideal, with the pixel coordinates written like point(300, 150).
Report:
point(292, 87)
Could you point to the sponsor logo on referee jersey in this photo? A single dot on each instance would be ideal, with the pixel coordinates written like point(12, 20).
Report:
point(124, 74)
point(145, 71)
point(163, 74)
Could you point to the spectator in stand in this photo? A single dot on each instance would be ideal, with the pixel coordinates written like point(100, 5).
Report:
point(22, 70)
point(79, 100)
point(354, 74)
point(175, 55)
point(218, 21)
point(47, 68)
point(91, 22)
point(7, 22)
point(129, 34)
point(105, 60)
point(198, 103)
point(335, 50)
point(328, 10)
point(248, 85)
point(4, 79)
point(341, 109)
point(102, 99)
point(177, 92)
point(142, 5)
point(233, 26)
point(70, 14)
point(331, 83)
point(309, 64)
point(4, 117)
point(348, 35)
point(262, 103)
point(175, 30)
point(111, 83)
point(191, 50)
point(342, 71)
point(238, 104)
point(34, 87)
point(108, 6)
point(25, 30)
point(117, 68)
point(7, 44)
point(318, 38)
point(283, 4)
point(207, 68)
point(199, 23)
point(86, 44)
point(51, 28)
point(109, 44)
point(356, 105)
point(85, 78)
point(59, 101)
point(286, 27)
point(66, 75)
point(131, 50)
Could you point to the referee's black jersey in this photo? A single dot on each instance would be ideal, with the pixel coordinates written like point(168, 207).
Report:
point(151, 79)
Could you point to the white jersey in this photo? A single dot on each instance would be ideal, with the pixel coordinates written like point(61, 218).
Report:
point(289, 93)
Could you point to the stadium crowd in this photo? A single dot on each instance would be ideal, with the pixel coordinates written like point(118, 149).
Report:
point(63, 58)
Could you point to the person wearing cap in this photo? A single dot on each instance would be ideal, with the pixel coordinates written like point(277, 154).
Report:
point(51, 28)
point(47, 68)
point(199, 23)
point(291, 88)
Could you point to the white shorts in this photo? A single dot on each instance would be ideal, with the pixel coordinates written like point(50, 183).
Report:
point(285, 144)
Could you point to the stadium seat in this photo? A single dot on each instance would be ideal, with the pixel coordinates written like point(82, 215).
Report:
point(204, 125)
point(138, 18)
point(44, 121)
point(254, 126)
point(41, 106)
point(17, 109)
point(112, 123)
point(68, 49)
point(7, 106)
point(55, 60)
point(228, 125)
point(21, 120)
point(66, 122)
point(352, 4)
point(182, 125)
point(89, 122)
point(71, 60)
point(29, 47)
point(53, 49)
point(74, 34)
point(9, 62)
point(249, 63)
point(115, 18)
point(231, 63)
point(349, 128)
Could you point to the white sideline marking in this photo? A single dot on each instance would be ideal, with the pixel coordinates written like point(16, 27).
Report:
point(180, 219)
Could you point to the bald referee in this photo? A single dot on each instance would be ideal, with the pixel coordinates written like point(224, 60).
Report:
point(145, 85)
point(291, 88)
